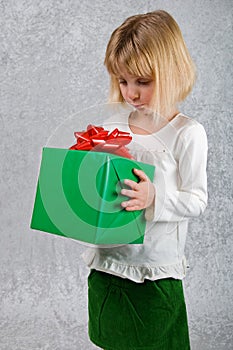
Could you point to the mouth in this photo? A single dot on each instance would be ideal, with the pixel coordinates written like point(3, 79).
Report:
point(138, 106)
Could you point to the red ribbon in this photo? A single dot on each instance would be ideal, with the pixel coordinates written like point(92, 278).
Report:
point(98, 139)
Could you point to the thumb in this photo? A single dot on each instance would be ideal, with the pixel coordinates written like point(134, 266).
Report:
point(142, 176)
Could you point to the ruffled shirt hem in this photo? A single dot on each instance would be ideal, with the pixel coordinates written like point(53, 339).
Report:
point(137, 274)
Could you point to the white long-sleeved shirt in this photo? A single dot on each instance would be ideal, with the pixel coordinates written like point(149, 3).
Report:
point(179, 153)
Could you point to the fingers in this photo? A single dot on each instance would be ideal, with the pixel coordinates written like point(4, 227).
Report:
point(128, 193)
point(138, 192)
point(131, 205)
point(134, 202)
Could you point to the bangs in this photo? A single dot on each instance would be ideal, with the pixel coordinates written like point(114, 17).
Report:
point(131, 58)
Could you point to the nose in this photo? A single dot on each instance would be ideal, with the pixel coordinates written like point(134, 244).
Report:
point(132, 93)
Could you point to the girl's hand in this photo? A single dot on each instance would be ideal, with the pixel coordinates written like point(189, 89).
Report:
point(141, 194)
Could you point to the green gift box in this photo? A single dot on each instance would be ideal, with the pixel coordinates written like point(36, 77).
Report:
point(78, 197)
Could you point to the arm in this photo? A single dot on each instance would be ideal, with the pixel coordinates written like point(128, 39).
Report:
point(189, 198)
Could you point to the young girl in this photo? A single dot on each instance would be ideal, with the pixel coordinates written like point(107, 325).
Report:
point(135, 291)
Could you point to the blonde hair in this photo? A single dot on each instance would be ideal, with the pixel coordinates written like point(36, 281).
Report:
point(151, 45)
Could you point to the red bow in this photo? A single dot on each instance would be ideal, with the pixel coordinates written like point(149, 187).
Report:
point(97, 139)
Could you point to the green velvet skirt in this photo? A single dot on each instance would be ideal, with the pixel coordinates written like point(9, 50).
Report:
point(124, 315)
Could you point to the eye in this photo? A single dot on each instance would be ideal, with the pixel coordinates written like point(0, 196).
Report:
point(122, 82)
point(144, 82)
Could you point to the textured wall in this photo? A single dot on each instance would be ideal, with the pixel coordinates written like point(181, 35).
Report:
point(51, 67)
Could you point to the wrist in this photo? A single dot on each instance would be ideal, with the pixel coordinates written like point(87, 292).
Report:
point(151, 196)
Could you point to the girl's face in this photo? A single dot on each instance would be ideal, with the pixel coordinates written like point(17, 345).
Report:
point(137, 91)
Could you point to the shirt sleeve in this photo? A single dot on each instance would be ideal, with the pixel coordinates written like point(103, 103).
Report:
point(189, 199)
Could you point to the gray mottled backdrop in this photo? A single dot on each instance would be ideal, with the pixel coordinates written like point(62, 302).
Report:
point(51, 67)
